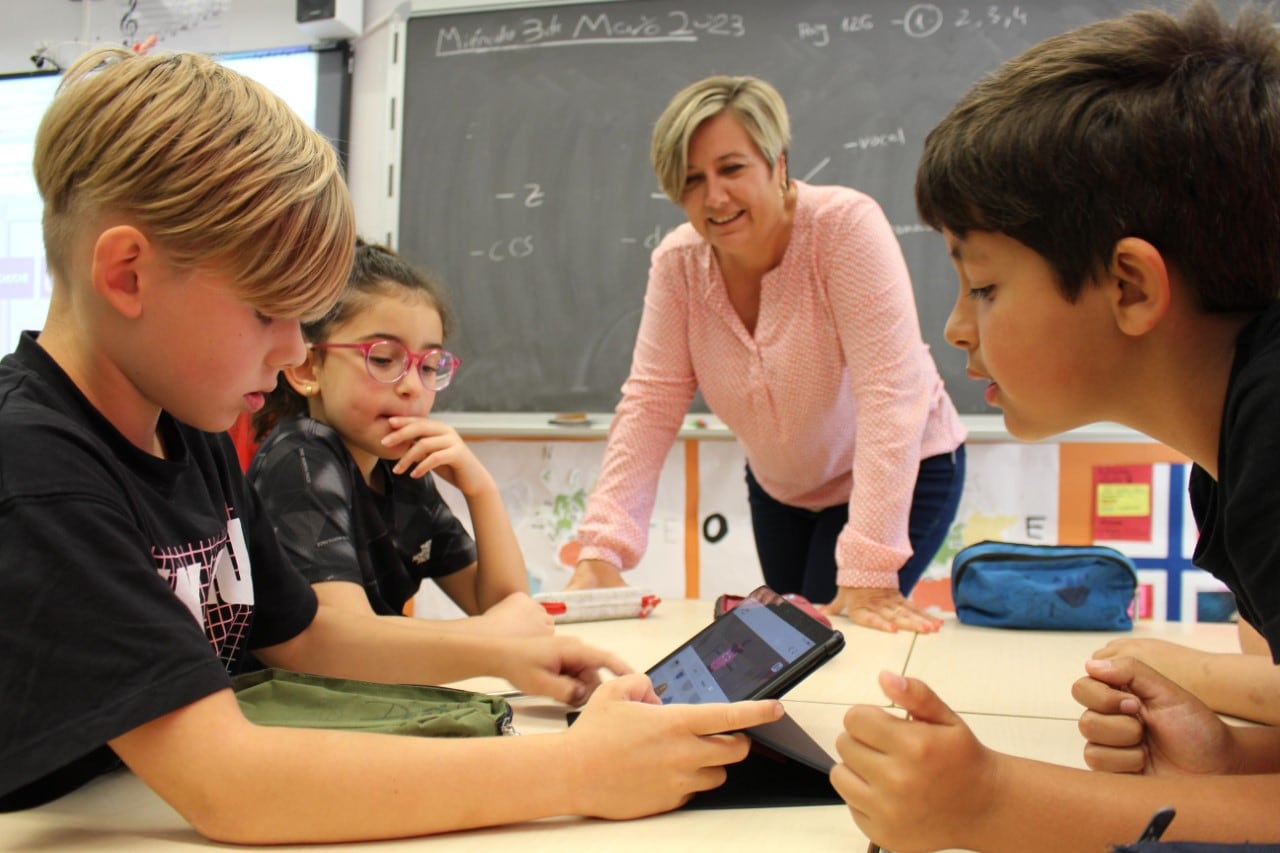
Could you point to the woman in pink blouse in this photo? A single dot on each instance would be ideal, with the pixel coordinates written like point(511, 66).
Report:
point(791, 308)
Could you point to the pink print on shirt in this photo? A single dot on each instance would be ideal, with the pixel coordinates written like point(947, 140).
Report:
point(214, 581)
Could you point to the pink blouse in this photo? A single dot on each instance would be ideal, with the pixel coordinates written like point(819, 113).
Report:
point(836, 365)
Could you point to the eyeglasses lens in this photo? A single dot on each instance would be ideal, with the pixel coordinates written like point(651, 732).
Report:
point(388, 361)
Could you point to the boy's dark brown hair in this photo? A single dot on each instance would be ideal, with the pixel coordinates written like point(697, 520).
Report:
point(1147, 125)
point(375, 271)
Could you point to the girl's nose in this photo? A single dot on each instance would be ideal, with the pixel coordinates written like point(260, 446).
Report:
point(413, 383)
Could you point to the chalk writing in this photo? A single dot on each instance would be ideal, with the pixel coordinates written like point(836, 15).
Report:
point(589, 29)
point(815, 34)
point(924, 19)
point(650, 240)
point(534, 196)
point(809, 175)
point(920, 21)
point(994, 16)
point(514, 248)
point(879, 140)
point(856, 23)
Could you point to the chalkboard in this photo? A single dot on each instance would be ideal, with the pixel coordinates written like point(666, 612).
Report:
point(525, 178)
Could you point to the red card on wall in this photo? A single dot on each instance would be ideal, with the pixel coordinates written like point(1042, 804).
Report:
point(1122, 503)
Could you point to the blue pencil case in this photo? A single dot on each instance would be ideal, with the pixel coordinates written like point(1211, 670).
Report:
point(1047, 587)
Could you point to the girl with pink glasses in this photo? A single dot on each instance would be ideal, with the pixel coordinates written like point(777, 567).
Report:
point(349, 443)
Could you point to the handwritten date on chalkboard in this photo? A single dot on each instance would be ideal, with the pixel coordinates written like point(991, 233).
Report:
point(593, 28)
point(919, 21)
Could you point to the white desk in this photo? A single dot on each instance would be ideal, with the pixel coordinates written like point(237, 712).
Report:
point(1031, 714)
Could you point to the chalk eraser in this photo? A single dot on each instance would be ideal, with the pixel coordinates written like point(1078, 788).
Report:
point(571, 419)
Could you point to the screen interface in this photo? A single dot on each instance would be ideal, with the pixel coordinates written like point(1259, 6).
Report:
point(740, 652)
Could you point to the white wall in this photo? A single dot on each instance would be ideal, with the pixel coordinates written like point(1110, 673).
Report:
point(240, 25)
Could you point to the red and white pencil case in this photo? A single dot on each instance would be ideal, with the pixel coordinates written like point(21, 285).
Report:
point(588, 605)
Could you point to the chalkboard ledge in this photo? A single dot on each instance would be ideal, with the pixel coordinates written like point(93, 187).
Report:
point(982, 428)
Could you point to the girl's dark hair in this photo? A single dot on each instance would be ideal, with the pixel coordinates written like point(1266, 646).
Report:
point(375, 271)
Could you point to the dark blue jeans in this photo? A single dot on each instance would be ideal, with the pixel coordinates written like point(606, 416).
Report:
point(797, 547)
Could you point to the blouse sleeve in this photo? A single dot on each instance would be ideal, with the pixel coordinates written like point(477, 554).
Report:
point(894, 381)
point(655, 398)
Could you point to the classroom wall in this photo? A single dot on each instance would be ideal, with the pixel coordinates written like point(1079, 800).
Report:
point(1129, 494)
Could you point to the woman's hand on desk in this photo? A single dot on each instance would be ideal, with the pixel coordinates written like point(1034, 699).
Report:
point(882, 609)
point(594, 574)
point(635, 756)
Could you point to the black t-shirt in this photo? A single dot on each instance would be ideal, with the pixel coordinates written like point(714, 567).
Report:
point(334, 527)
point(1239, 515)
point(126, 585)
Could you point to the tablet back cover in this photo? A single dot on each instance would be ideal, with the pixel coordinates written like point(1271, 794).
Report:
point(785, 767)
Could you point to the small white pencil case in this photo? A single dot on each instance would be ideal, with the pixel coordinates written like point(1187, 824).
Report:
point(588, 605)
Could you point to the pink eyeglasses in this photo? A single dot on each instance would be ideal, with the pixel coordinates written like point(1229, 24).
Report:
point(390, 361)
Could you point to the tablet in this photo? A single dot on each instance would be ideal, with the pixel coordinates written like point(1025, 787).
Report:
point(758, 650)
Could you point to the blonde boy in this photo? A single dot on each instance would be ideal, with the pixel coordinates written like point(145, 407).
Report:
point(1111, 200)
point(191, 220)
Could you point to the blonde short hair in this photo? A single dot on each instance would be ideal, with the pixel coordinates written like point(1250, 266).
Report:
point(756, 105)
point(209, 164)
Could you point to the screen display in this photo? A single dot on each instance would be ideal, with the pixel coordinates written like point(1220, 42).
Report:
point(733, 658)
point(24, 279)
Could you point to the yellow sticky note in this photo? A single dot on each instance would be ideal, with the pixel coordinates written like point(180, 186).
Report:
point(1124, 500)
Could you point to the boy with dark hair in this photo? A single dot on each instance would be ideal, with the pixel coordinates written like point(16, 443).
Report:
point(1111, 200)
point(190, 220)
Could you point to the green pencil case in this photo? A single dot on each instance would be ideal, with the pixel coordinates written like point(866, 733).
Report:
point(278, 697)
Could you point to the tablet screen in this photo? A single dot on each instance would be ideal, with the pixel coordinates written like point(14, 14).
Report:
point(731, 659)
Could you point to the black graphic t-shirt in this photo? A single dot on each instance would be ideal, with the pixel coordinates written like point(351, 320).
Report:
point(129, 585)
point(334, 527)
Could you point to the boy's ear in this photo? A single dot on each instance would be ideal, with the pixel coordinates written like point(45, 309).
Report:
point(1141, 286)
point(122, 259)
